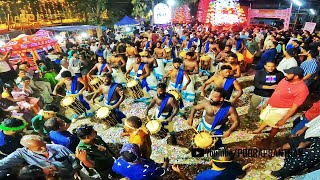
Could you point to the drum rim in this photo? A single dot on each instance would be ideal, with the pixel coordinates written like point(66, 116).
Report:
point(65, 98)
point(158, 122)
point(136, 83)
point(214, 139)
point(97, 112)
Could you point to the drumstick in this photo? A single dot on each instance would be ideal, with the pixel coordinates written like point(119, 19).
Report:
point(196, 131)
point(57, 95)
point(98, 105)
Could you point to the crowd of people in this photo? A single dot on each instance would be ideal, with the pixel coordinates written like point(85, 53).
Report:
point(184, 65)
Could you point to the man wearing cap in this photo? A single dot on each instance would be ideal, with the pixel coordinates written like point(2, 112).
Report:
point(288, 61)
point(132, 166)
point(10, 135)
point(289, 94)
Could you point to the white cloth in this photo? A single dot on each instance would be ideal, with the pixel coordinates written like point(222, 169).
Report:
point(118, 76)
point(4, 66)
point(58, 77)
point(313, 128)
point(287, 64)
point(74, 64)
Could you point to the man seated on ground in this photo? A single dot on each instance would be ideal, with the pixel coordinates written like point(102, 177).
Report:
point(54, 159)
point(223, 167)
point(138, 134)
point(10, 135)
point(132, 166)
point(93, 152)
point(58, 133)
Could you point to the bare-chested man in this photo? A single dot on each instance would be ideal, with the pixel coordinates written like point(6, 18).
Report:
point(176, 76)
point(160, 55)
point(146, 44)
point(167, 42)
point(113, 95)
point(223, 55)
point(71, 84)
point(216, 114)
point(130, 53)
point(226, 81)
point(168, 109)
point(185, 43)
point(152, 63)
point(140, 72)
point(191, 67)
point(117, 64)
point(100, 67)
point(233, 62)
point(196, 55)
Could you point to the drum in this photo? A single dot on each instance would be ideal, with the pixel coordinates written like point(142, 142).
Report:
point(135, 90)
point(95, 83)
point(183, 54)
point(72, 103)
point(106, 116)
point(176, 94)
point(205, 62)
point(204, 140)
point(156, 129)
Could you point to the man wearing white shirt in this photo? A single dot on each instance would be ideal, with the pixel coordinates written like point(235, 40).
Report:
point(288, 61)
point(75, 63)
point(64, 67)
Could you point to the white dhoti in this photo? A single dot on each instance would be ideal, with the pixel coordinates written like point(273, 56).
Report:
point(129, 62)
point(271, 116)
point(152, 81)
point(159, 71)
point(118, 77)
point(189, 94)
point(162, 118)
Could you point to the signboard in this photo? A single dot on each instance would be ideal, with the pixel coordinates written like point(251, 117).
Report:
point(162, 14)
point(271, 13)
point(310, 26)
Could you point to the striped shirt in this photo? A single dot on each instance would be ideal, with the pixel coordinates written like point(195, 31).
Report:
point(310, 67)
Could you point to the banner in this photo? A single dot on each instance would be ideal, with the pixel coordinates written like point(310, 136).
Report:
point(162, 14)
point(310, 26)
point(271, 13)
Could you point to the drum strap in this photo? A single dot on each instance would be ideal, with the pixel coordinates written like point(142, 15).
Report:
point(111, 91)
point(144, 83)
point(147, 45)
point(163, 105)
point(220, 116)
point(102, 68)
point(173, 52)
point(228, 86)
point(84, 102)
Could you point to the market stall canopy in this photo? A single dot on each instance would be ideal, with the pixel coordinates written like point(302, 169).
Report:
point(25, 43)
point(72, 28)
point(127, 21)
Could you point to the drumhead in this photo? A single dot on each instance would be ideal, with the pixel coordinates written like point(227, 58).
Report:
point(66, 101)
point(153, 126)
point(132, 83)
point(103, 112)
point(205, 58)
point(203, 140)
point(167, 49)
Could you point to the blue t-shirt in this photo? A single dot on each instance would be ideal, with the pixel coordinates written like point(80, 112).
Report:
point(146, 170)
point(230, 173)
point(64, 138)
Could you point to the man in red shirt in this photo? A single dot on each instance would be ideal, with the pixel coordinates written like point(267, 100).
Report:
point(289, 94)
point(308, 116)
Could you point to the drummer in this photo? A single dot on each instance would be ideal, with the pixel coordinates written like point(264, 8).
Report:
point(117, 63)
point(216, 113)
point(140, 71)
point(101, 67)
point(151, 61)
point(113, 95)
point(226, 81)
point(168, 109)
point(196, 55)
point(176, 76)
point(191, 67)
point(160, 54)
point(130, 53)
point(71, 84)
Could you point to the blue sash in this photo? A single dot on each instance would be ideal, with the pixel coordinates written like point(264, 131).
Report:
point(111, 91)
point(190, 43)
point(238, 44)
point(173, 52)
point(144, 83)
point(163, 105)
point(73, 89)
point(207, 47)
point(179, 79)
point(101, 68)
point(74, 84)
point(148, 44)
point(220, 116)
point(228, 86)
point(163, 39)
point(170, 42)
